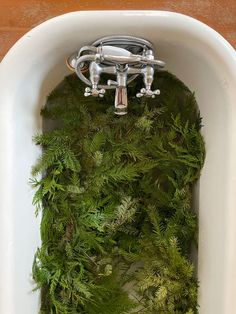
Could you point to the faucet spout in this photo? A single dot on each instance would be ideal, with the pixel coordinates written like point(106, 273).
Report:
point(121, 101)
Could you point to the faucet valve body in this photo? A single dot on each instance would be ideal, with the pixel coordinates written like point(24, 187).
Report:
point(125, 57)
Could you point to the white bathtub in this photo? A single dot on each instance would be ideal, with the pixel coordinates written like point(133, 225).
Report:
point(32, 68)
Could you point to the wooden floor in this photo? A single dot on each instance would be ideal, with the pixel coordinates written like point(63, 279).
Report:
point(19, 16)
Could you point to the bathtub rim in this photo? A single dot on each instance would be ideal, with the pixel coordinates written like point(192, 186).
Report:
point(195, 22)
point(224, 47)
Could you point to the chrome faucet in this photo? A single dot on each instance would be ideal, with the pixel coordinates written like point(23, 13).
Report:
point(125, 57)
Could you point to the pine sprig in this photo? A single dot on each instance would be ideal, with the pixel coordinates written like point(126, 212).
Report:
point(115, 194)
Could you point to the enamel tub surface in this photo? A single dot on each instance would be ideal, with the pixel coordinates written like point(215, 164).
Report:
point(200, 57)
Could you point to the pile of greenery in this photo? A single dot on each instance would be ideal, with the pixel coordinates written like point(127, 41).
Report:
point(115, 194)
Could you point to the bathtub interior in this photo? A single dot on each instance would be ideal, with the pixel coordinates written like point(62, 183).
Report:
point(36, 64)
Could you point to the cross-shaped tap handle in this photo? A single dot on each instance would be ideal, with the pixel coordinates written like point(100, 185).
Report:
point(94, 92)
point(144, 92)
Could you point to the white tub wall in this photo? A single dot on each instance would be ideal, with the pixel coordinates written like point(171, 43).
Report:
point(20, 230)
point(35, 65)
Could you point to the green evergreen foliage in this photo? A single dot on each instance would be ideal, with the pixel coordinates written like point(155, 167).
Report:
point(115, 194)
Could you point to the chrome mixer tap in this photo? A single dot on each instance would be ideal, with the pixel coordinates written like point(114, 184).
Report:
point(123, 57)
